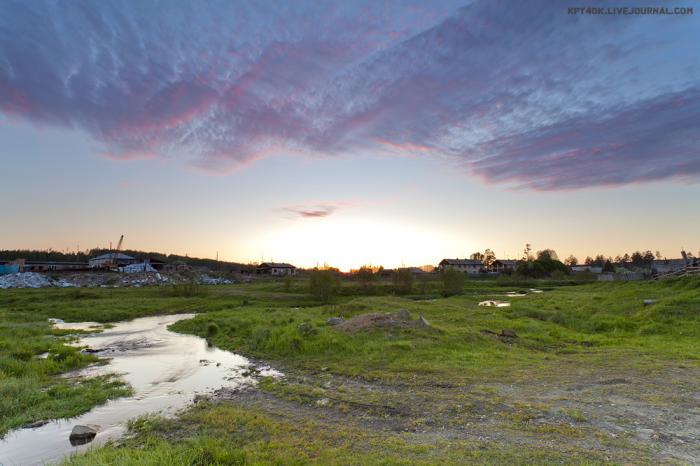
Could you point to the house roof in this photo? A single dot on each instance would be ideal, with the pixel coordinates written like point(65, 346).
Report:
point(112, 255)
point(279, 265)
point(460, 262)
point(506, 261)
point(671, 261)
point(415, 269)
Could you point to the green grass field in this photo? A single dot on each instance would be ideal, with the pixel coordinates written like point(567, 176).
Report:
point(392, 395)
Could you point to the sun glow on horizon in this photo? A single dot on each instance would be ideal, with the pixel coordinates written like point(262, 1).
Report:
point(348, 243)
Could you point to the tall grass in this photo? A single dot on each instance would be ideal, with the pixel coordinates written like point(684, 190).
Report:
point(187, 290)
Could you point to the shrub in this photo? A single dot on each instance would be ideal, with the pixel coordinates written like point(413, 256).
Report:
point(403, 280)
point(212, 329)
point(324, 285)
point(367, 278)
point(452, 282)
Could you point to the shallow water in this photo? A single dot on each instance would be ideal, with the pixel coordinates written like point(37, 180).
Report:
point(165, 369)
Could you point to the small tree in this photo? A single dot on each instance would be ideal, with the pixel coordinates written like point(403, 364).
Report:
point(547, 254)
point(324, 285)
point(489, 258)
point(452, 282)
point(571, 261)
point(403, 281)
point(366, 277)
point(477, 256)
point(608, 267)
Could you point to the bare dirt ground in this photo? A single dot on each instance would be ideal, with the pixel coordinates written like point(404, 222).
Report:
point(625, 416)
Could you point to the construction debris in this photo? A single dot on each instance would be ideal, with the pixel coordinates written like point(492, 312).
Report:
point(136, 268)
point(133, 276)
point(31, 280)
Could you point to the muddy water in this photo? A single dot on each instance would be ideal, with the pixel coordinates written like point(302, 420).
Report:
point(165, 369)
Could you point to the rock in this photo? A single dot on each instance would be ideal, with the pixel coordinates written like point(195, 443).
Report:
point(422, 322)
point(36, 424)
point(403, 314)
point(334, 321)
point(80, 435)
point(508, 333)
point(649, 302)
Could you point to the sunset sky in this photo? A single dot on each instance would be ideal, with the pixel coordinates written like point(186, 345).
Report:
point(348, 132)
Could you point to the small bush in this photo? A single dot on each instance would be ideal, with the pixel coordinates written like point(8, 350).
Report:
point(403, 280)
point(212, 329)
point(452, 282)
point(324, 285)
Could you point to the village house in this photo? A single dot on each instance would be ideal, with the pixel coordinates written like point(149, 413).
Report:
point(504, 265)
point(276, 269)
point(469, 266)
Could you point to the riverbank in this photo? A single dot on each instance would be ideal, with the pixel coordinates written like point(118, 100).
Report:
point(574, 374)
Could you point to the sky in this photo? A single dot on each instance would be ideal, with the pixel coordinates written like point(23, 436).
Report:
point(348, 133)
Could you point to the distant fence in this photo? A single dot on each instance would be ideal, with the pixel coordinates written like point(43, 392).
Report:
point(684, 272)
point(620, 277)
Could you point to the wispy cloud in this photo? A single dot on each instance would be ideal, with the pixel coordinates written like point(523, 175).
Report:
point(318, 211)
point(518, 93)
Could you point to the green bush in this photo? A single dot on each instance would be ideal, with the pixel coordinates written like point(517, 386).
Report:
point(324, 285)
point(403, 280)
point(452, 282)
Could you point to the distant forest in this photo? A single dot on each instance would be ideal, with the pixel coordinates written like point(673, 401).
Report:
point(33, 255)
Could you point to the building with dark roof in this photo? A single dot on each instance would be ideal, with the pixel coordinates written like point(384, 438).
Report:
point(504, 265)
point(276, 269)
point(471, 266)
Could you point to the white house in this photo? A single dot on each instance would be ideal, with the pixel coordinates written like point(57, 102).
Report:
point(276, 269)
point(470, 266)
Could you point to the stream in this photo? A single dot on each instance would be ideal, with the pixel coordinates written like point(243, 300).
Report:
point(165, 369)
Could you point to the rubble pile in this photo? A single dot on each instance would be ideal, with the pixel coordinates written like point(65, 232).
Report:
point(136, 268)
point(130, 276)
point(31, 280)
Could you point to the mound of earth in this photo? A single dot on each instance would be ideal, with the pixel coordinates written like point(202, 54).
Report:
point(375, 320)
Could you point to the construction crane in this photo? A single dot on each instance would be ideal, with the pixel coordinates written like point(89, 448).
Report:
point(113, 263)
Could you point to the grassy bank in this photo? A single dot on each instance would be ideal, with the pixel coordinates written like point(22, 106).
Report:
point(444, 376)
point(223, 434)
point(593, 322)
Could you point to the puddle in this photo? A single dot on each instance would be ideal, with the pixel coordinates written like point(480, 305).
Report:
point(492, 303)
point(165, 369)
